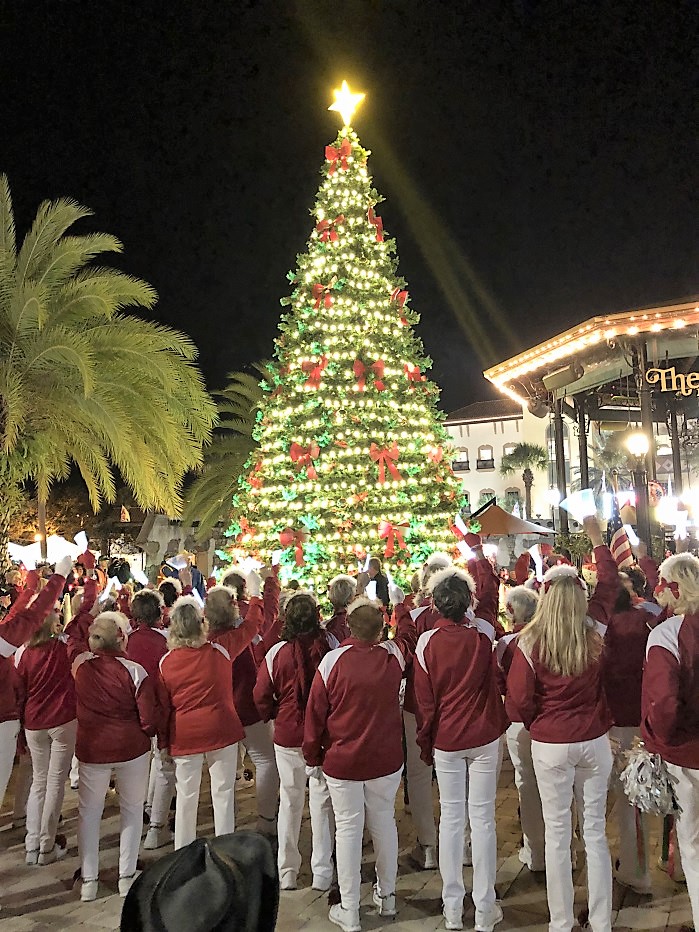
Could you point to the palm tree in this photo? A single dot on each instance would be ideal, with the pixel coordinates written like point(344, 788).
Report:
point(83, 383)
point(527, 457)
point(209, 499)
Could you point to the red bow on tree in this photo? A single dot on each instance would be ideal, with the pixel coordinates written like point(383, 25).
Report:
point(291, 538)
point(385, 458)
point(322, 293)
point(303, 458)
point(327, 230)
point(413, 374)
point(340, 155)
point(436, 454)
point(358, 498)
point(392, 534)
point(664, 584)
point(254, 479)
point(360, 373)
point(377, 222)
point(246, 529)
point(399, 298)
point(314, 371)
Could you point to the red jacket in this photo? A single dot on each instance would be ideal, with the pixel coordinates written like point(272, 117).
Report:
point(458, 701)
point(337, 626)
point(487, 592)
point(560, 709)
point(424, 617)
point(117, 708)
point(77, 630)
point(353, 723)
point(275, 692)
point(670, 699)
point(20, 623)
point(147, 646)
point(46, 690)
point(622, 667)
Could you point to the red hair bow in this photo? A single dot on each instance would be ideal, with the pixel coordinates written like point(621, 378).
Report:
point(341, 154)
point(672, 586)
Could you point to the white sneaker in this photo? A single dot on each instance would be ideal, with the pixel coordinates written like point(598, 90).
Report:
point(347, 919)
point(32, 857)
point(157, 837)
point(640, 885)
point(288, 880)
point(88, 891)
point(125, 883)
point(487, 922)
point(48, 857)
point(386, 904)
point(425, 856)
point(467, 859)
point(452, 918)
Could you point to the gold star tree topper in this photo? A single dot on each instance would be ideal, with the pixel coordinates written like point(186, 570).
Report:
point(346, 102)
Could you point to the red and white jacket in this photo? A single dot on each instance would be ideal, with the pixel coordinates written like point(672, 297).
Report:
point(275, 692)
point(458, 700)
point(561, 709)
point(20, 623)
point(77, 630)
point(247, 661)
point(337, 626)
point(622, 663)
point(670, 698)
point(117, 708)
point(46, 690)
point(147, 646)
point(353, 722)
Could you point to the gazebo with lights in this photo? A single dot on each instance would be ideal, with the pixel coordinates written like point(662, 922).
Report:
point(634, 369)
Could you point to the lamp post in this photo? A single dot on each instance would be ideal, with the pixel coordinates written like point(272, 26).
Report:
point(637, 444)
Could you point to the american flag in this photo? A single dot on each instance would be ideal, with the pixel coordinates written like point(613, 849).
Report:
point(618, 539)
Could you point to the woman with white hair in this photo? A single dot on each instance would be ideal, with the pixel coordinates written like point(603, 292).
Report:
point(670, 702)
point(341, 590)
point(117, 715)
point(196, 692)
point(460, 720)
point(520, 604)
point(555, 688)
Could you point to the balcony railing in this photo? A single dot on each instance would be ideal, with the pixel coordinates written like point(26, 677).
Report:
point(485, 464)
point(460, 466)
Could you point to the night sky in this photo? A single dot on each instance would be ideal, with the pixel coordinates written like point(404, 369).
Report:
point(538, 159)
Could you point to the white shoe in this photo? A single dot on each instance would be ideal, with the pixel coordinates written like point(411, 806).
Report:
point(157, 837)
point(525, 858)
point(452, 918)
point(288, 881)
point(73, 784)
point(321, 883)
point(347, 919)
point(48, 857)
point(88, 891)
point(32, 857)
point(386, 904)
point(467, 859)
point(640, 885)
point(425, 856)
point(125, 883)
point(488, 921)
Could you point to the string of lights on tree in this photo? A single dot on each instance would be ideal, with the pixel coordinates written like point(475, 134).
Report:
point(353, 458)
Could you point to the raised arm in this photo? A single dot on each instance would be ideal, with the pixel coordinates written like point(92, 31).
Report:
point(601, 605)
point(22, 624)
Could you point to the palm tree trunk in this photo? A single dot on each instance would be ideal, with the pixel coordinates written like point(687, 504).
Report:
point(528, 479)
point(41, 521)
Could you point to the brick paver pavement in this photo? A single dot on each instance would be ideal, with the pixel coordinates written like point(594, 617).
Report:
point(42, 898)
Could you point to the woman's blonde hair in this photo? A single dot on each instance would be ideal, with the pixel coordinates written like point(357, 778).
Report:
point(566, 644)
point(106, 629)
point(187, 624)
point(221, 609)
point(678, 589)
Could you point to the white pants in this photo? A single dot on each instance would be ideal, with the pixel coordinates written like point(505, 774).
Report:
point(161, 786)
point(687, 790)
point(519, 744)
point(132, 783)
point(582, 768)
point(23, 785)
point(292, 775)
point(8, 749)
point(631, 867)
point(482, 764)
point(260, 747)
point(350, 798)
point(51, 751)
point(419, 785)
point(222, 765)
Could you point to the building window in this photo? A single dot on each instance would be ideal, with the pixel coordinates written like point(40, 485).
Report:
point(486, 459)
point(460, 463)
point(485, 496)
point(513, 498)
point(508, 449)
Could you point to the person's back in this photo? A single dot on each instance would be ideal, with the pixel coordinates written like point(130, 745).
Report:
point(47, 688)
point(623, 658)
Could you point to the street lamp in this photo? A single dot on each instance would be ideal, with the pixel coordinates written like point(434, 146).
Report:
point(637, 444)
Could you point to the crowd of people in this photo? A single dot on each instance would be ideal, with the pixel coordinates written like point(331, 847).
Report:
point(142, 687)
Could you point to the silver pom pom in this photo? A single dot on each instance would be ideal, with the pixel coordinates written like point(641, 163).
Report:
point(647, 782)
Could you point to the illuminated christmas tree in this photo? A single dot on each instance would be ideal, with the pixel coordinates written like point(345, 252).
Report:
point(352, 458)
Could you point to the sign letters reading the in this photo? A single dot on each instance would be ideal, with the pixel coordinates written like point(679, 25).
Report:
point(668, 380)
